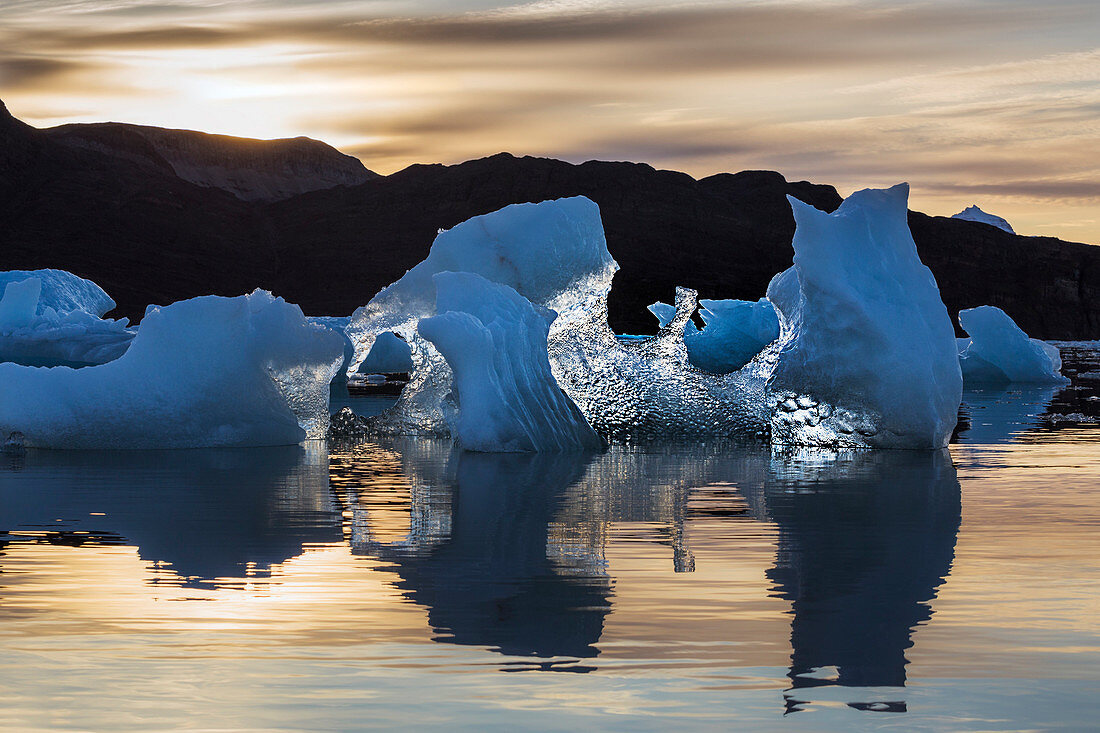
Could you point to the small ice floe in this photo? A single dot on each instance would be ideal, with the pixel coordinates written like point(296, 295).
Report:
point(999, 352)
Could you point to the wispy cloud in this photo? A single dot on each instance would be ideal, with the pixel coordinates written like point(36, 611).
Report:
point(988, 100)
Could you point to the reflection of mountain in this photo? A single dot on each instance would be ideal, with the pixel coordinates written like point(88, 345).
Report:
point(209, 514)
point(490, 581)
point(865, 540)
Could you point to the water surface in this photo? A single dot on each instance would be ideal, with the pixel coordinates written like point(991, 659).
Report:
point(400, 583)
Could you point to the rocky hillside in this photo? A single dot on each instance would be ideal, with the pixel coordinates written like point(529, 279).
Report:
point(148, 234)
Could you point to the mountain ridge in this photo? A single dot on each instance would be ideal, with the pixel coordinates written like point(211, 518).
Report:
point(149, 236)
point(252, 170)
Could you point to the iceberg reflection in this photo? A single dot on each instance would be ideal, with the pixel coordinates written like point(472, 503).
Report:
point(865, 539)
point(209, 516)
point(509, 552)
point(488, 580)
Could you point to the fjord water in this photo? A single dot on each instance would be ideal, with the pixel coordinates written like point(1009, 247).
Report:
point(399, 583)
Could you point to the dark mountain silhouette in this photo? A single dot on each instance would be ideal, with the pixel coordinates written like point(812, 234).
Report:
point(109, 203)
point(252, 170)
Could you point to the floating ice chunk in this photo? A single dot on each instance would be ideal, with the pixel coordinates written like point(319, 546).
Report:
point(62, 291)
point(505, 397)
point(973, 213)
point(664, 312)
point(390, 353)
point(552, 253)
point(209, 371)
point(998, 351)
point(867, 354)
point(734, 332)
point(33, 335)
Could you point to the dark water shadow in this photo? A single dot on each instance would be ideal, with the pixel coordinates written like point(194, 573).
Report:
point(1001, 414)
point(865, 539)
point(1034, 413)
point(210, 516)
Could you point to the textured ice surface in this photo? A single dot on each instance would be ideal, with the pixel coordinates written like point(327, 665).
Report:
point(504, 396)
point(867, 353)
point(645, 388)
point(664, 313)
point(338, 324)
point(973, 213)
point(867, 356)
point(63, 291)
point(550, 253)
point(390, 353)
point(34, 334)
point(734, 332)
point(209, 371)
point(998, 351)
point(555, 255)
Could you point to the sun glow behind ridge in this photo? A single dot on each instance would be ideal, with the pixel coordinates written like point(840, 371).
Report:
point(985, 102)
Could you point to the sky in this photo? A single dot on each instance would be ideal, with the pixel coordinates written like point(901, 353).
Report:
point(994, 103)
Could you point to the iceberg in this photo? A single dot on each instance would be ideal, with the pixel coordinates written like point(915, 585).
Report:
point(734, 332)
point(549, 253)
point(973, 213)
point(62, 291)
point(998, 351)
point(553, 253)
point(34, 332)
point(505, 398)
point(205, 372)
point(866, 355)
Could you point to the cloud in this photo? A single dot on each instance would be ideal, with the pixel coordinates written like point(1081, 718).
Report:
point(24, 71)
point(962, 99)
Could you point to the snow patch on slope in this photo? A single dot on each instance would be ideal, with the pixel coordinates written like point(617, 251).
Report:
point(973, 213)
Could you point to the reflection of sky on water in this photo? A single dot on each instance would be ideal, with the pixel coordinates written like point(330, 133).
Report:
point(728, 582)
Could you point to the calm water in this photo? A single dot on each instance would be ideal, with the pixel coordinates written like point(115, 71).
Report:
point(646, 588)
